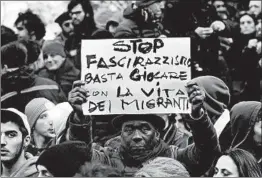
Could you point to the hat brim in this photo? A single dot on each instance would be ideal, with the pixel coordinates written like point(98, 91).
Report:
point(157, 121)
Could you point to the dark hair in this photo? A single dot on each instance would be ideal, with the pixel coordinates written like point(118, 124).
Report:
point(7, 35)
point(12, 117)
point(13, 55)
point(32, 23)
point(87, 7)
point(244, 13)
point(33, 50)
point(246, 163)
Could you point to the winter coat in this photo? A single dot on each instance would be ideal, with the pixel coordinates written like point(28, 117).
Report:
point(243, 117)
point(133, 27)
point(243, 64)
point(197, 158)
point(20, 87)
point(64, 76)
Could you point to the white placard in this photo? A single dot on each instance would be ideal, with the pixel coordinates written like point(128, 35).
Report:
point(136, 76)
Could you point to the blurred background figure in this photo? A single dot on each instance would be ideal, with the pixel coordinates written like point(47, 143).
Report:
point(255, 7)
point(65, 22)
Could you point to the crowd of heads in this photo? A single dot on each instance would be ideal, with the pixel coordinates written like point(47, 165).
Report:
point(44, 132)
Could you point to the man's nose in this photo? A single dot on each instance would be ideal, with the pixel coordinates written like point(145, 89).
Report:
point(137, 136)
point(3, 141)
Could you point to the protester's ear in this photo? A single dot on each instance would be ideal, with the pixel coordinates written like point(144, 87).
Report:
point(27, 141)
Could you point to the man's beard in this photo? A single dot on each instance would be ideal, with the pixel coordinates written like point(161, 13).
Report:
point(10, 163)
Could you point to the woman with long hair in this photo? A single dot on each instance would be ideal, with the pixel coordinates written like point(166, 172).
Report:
point(237, 163)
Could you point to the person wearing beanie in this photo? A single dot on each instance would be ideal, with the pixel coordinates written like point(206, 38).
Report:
point(15, 138)
point(57, 66)
point(65, 22)
point(162, 167)
point(19, 83)
point(63, 160)
point(41, 124)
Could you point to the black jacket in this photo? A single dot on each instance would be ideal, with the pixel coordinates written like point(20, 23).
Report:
point(21, 87)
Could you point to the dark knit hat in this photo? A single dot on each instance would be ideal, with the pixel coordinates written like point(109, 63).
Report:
point(65, 159)
point(145, 3)
point(53, 47)
point(63, 17)
point(217, 94)
point(157, 121)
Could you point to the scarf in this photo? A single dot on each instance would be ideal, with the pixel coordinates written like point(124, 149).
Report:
point(160, 149)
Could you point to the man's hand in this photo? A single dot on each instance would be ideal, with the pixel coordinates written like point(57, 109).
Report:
point(77, 96)
point(196, 98)
point(259, 47)
point(204, 33)
point(252, 43)
point(218, 26)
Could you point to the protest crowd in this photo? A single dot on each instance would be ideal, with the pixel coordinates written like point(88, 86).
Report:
point(45, 133)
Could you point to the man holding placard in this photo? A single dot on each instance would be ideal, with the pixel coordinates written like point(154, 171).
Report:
point(140, 140)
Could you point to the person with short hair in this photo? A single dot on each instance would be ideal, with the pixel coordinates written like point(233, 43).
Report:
point(15, 137)
point(7, 35)
point(30, 26)
point(19, 83)
point(237, 163)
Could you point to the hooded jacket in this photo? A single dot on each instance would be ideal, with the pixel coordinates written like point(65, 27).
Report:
point(21, 86)
point(28, 169)
point(244, 115)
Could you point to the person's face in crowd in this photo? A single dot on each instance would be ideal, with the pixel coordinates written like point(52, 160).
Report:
point(12, 142)
point(77, 14)
point(226, 167)
point(247, 25)
point(156, 9)
point(112, 28)
point(44, 125)
point(22, 32)
point(257, 133)
point(53, 62)
point(220, 9)
point(138, 136)
point(255, 7)
point(68, 27)
point(43, 172)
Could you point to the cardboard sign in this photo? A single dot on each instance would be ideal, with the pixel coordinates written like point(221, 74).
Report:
point(136, 76)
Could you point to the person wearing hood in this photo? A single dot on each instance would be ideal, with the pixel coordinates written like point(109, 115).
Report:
point(245, 125)
point(58, 67)
point(143, 19)
point(15, 137)
point(19, 82)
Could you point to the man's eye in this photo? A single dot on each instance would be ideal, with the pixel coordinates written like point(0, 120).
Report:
point(145, 128)
point(128, 129)
point(11, 135)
